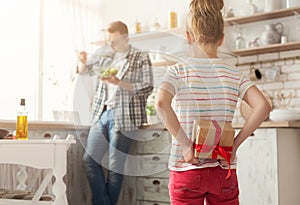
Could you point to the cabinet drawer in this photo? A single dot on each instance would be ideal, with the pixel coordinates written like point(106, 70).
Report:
point(151, 203)
point(153, 164)
point(163, 174)
point(154, 142)
point(153, 188)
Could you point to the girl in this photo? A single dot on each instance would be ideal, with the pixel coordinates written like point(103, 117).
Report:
point(205, 87)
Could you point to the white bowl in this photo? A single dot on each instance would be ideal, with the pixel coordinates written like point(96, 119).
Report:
point(283, 111)
point(284, 117)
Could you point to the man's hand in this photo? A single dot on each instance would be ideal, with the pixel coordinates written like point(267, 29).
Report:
point(111, 79)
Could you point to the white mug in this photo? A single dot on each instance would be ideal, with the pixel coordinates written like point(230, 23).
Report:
point(283, 39)
point(272, 74)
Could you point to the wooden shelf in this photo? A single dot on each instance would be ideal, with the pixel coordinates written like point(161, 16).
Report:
point(268, 49)
point(262, 16)
point(150, 35)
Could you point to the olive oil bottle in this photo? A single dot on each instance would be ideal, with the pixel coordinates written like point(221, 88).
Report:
point(22, 123)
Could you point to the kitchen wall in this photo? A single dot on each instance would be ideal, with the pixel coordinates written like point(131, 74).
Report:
point(144, 11)
point(288, 80)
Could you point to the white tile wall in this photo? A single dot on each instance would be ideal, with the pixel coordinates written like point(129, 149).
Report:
point(287, 82)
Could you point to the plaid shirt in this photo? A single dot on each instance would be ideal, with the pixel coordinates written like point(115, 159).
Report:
point(130, 107)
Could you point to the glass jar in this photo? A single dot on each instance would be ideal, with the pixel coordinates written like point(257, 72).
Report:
point(172, 19)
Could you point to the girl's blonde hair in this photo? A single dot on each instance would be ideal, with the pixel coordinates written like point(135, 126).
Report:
point(205, 21)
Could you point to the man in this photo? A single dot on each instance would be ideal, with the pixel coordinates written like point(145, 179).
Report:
point(119, 108)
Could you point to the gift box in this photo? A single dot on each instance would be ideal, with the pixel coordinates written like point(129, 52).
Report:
point(213, 139)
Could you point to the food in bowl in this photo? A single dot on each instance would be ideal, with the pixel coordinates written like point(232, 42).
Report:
point(110, 72)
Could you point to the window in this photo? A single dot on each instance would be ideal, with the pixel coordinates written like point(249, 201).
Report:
point(39, 45)
point(19, 56)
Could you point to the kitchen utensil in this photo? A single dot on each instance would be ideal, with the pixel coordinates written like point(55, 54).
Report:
point(245, 108)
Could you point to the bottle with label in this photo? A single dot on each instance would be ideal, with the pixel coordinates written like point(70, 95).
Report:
point(22, 123)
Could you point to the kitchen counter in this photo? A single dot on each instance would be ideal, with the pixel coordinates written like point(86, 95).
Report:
point(51, 125)
point(10, 124)
point(271, 124)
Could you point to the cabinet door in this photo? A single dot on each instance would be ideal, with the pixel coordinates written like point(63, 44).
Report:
point(257, 169)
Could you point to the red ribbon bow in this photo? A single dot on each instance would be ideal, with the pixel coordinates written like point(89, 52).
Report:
point(223, 151)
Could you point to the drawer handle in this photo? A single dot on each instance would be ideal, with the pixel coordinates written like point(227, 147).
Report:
point(47, 135)
point(156, 182)
point(155, 158)
point(155, 134)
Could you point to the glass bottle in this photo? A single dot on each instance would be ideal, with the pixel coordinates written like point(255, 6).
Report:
point(240, 41)
point(22, 123)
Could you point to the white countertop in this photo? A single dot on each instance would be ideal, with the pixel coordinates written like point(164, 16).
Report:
point(52, 125)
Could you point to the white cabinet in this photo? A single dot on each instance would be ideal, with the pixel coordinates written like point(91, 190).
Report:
point(152, 189)
point(268, 167)
point(147, 175)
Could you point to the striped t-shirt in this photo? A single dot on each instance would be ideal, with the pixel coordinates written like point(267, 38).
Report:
point(206, 89)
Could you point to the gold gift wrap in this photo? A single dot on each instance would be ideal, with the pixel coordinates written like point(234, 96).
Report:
point(213, 139)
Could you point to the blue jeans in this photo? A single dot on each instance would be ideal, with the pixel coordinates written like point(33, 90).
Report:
point(103, 139)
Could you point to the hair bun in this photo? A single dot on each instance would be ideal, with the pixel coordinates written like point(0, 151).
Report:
point(206, 7)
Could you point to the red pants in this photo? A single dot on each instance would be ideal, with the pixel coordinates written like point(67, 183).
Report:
point(194, 186)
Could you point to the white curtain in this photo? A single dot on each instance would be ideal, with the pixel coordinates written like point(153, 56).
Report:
point(70, 27)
